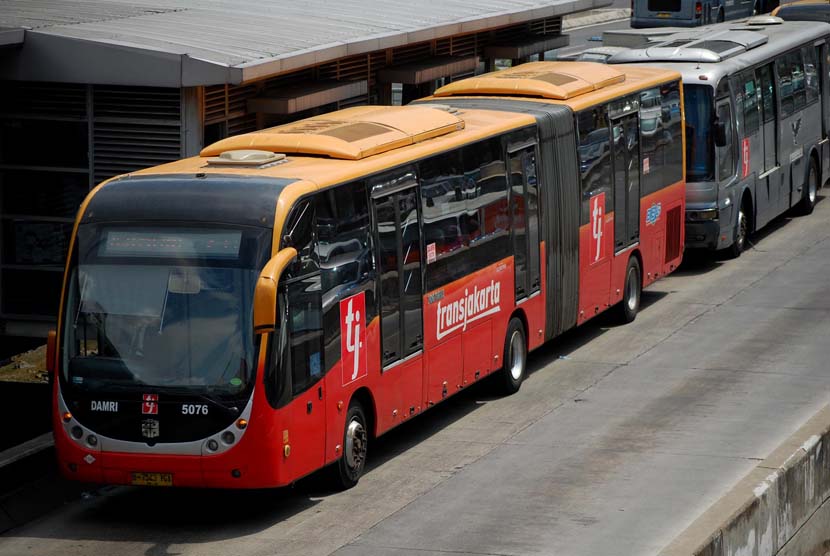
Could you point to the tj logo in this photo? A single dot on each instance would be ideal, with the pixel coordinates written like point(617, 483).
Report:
point(353, 343)
point(353, 337)
point(598, 202)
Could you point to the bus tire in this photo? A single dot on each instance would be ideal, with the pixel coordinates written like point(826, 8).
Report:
point(741, 235)
point(515, 357)
point(350, 467)
point(632, 288)
point(808, 200)
point(721, 16)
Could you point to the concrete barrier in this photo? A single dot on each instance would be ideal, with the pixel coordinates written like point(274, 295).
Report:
point(779, 508)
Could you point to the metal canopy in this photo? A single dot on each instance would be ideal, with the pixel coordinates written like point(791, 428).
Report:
point(423, 72)
point(306, 95)
point(176, 43)
point(526, 48)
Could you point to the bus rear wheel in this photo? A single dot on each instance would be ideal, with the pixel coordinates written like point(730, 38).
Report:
point(632, 288)
point(515, 357)
point(808, 201)
point(355, 443)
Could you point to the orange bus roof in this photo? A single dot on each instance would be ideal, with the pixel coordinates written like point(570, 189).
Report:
point(323, 169)
point(575, 84)
point(352, 133)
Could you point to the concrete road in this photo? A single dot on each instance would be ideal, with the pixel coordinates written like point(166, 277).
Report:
point(620, 437)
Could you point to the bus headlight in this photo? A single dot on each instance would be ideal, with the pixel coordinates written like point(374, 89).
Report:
point(212, 445)
point(92, 440)
point(228, 438)
point(702, 215)
point(77, 432)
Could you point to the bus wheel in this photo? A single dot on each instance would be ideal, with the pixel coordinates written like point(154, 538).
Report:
point(721, 17)
point(808, 201)
point(631, 291)
point(741, 234)
point(355, 442)
point(515, 357)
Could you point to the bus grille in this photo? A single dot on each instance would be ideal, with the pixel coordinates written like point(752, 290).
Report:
point(673, 223)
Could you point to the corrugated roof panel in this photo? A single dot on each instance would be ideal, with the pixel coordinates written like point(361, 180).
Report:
point(272, 36)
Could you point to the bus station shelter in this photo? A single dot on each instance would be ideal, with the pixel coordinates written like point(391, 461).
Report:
point(93, 89)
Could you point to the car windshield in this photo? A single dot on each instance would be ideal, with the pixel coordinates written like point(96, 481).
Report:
point(163, 307)
point(700, 152)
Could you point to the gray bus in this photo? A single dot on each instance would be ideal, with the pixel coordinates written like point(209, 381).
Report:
point(757, 120)
point(693, 13)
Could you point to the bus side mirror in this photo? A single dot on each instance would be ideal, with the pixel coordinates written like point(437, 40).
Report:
point(51, 344)
point(265, 293)
point(719, 129)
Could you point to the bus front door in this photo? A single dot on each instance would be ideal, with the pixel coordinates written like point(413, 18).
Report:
point(626, 155)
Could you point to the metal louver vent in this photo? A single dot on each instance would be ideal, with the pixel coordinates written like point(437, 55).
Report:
point(133, 128)
point(44, 99)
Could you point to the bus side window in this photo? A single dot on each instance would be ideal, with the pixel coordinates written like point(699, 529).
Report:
point(749, 91)
point(726, 154)
point(785, 86)
point(799, 88)
point(299, 233)
point(594, 158)
point(811, 73)
point(346, 263)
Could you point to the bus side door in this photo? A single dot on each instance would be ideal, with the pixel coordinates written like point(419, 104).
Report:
point(626, 156)
point(524, 214)
point(398, 255)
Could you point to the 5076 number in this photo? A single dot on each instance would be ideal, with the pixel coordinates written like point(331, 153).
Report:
point(194, 409)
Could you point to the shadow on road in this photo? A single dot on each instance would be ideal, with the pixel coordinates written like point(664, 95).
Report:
point(165, 517)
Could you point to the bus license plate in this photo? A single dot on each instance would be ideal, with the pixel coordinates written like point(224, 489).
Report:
point(152, 479)
point(663, 14)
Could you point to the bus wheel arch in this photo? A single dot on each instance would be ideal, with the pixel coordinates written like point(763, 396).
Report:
point(358, 429)
point(744, 225)
point(812, 181)
point(629, 306)
point(514, 355)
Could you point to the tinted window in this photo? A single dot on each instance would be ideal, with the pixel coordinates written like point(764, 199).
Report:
point(699, 146)
point(594, 157)
point(726, 154)
point(465, 211)
point(767, 93)
point(305, 332)
point(748, 96)
point(344, 253)
point(661, 147)
point(811, 77)
point(785, 86)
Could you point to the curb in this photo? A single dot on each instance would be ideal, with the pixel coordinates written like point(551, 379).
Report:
point(594, 17)
point(770, 505)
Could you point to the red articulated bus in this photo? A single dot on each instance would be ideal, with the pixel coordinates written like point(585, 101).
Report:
point(246, 317)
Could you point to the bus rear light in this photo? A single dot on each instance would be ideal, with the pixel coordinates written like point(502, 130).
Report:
point(241, 424)
point(67, 417)
point(698, 9)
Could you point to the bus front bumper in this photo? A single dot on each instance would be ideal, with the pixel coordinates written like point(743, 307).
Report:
point(645, 22)
point(702, 235)
point(238, 468)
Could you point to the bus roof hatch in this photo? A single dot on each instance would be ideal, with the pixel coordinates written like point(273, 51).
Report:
point(554, 80)
point(351, 134)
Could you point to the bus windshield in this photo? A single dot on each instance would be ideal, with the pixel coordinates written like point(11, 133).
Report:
point(163, 307)
point(700, 153)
